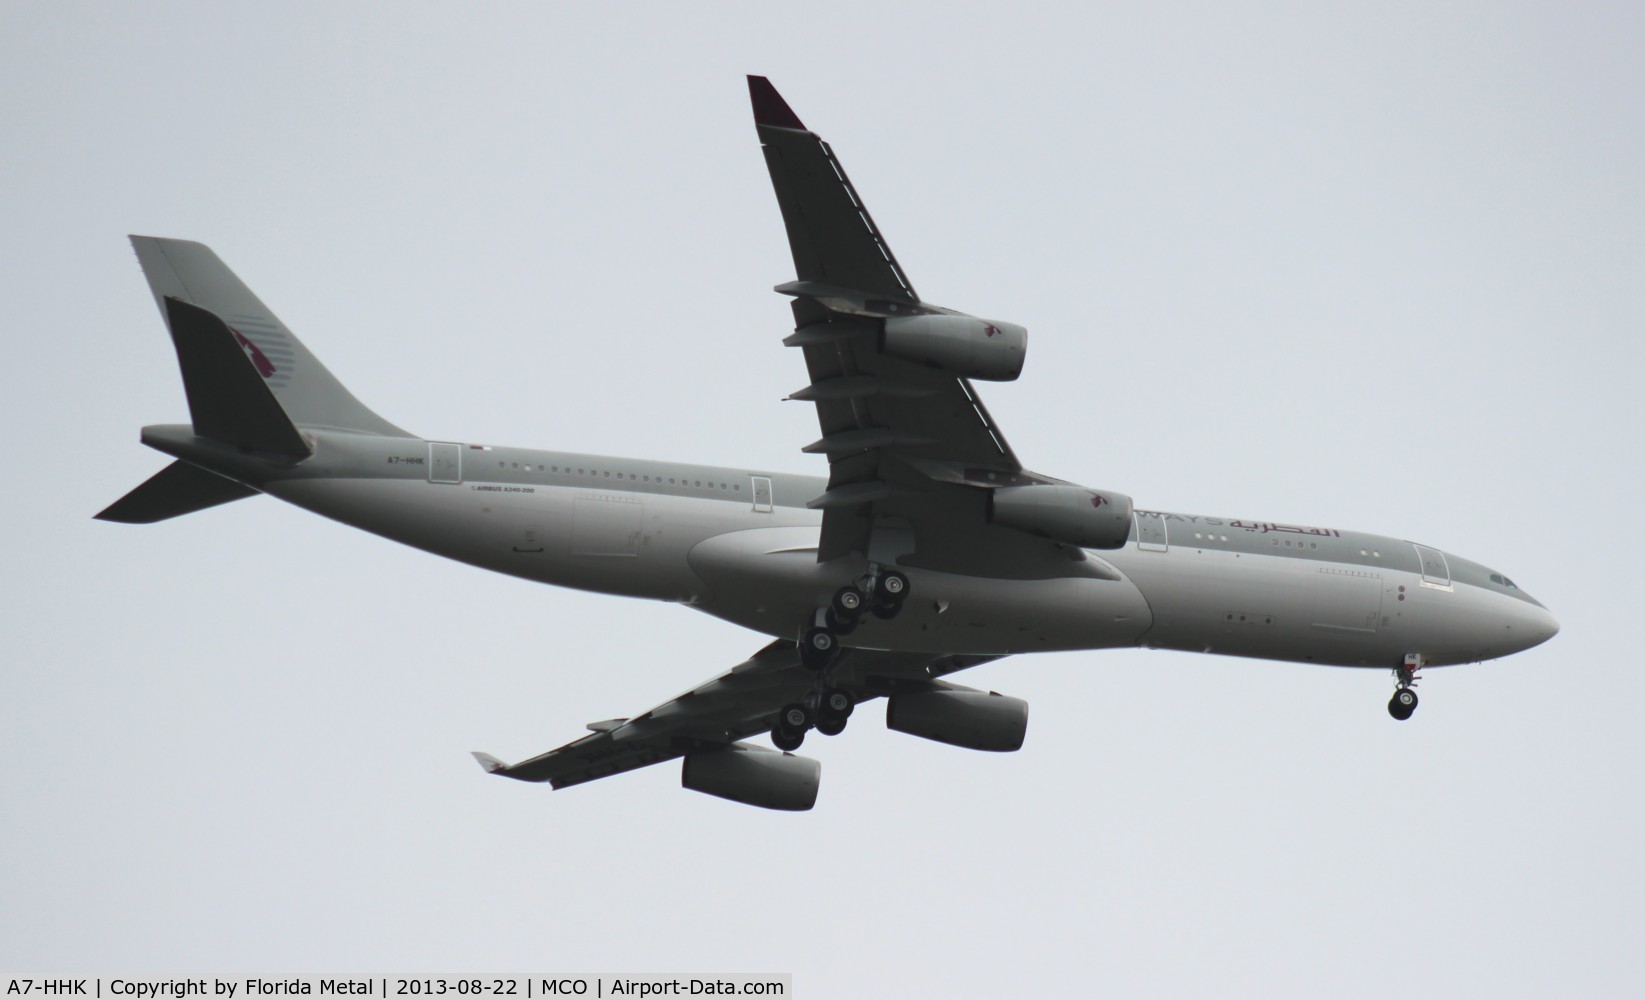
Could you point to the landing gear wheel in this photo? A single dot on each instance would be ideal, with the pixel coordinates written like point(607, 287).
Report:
point(834, 706)
point(838, 625)
point(794, 718)
point(1402, 704)
point(848, 603)
point(889, 593)
point(818, 647)
point(792, 722)
point(835, 703)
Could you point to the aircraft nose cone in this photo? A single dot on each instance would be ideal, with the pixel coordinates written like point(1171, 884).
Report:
point(1548, 624)
point(1531, 625)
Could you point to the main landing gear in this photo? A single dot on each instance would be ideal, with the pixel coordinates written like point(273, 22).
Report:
point(826, 708)
point(1404, 701)
point(880, 593)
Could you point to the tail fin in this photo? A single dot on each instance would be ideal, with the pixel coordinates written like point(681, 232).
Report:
point(228, 397)
point(190, 274)
point(179, 488)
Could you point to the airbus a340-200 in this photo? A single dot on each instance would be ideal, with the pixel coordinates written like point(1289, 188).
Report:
point(929, 547)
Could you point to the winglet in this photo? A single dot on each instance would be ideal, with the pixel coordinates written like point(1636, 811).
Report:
point(769, 106)
point(491, 764)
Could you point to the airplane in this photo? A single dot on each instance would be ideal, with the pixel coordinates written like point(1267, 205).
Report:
point(929, 547)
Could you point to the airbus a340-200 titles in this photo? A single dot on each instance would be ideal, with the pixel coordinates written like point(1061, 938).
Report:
point(929, 547)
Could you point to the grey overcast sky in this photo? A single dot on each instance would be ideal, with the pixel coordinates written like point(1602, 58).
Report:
point(1372, 266)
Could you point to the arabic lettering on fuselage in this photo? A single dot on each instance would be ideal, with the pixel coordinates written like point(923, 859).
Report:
point(1258, 527)
point(1267, 526)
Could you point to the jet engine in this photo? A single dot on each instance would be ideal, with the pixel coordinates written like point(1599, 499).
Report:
point(960, 716)
point(960, 345)
point(1074, 515)
point(753, 776)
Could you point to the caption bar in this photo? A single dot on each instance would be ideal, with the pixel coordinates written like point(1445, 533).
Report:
point(536, 987)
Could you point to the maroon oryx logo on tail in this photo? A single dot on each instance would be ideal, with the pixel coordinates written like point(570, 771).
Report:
point(259, 360)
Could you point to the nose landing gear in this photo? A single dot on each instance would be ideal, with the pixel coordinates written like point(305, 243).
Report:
point(1404, 701)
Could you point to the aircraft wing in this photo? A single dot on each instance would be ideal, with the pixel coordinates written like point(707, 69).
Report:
point(739, 703)
point(906, 443)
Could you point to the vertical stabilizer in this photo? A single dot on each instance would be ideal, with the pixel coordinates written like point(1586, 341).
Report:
point(228, 393)
point(306, 391)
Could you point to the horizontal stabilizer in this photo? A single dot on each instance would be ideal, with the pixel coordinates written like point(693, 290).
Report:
point(227, 397)
point(179, 488)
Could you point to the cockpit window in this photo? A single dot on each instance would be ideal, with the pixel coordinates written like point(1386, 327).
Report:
point(1498, 578)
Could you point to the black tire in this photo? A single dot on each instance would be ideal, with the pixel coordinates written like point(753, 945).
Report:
point(848, 604)
point(838, 626)
point(794, 718)
point(818, 648)
point(1407, 699)
point(893, 586)
point(886, 610)
point(821, 641)
point(830, 727)
point(1398, 711)
point(786, 741)
point(835, 704)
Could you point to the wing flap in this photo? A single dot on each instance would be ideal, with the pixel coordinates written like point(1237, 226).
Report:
point(583, 760)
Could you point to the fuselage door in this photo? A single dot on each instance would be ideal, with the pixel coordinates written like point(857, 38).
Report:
point(762, 494)
point(1151, 534)
point(445, 462)
point(1434, 568)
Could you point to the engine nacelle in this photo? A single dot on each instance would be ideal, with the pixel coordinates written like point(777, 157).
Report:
point(960, 345)
point(963, 717)
point(1074, 515)
point(753, 776)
